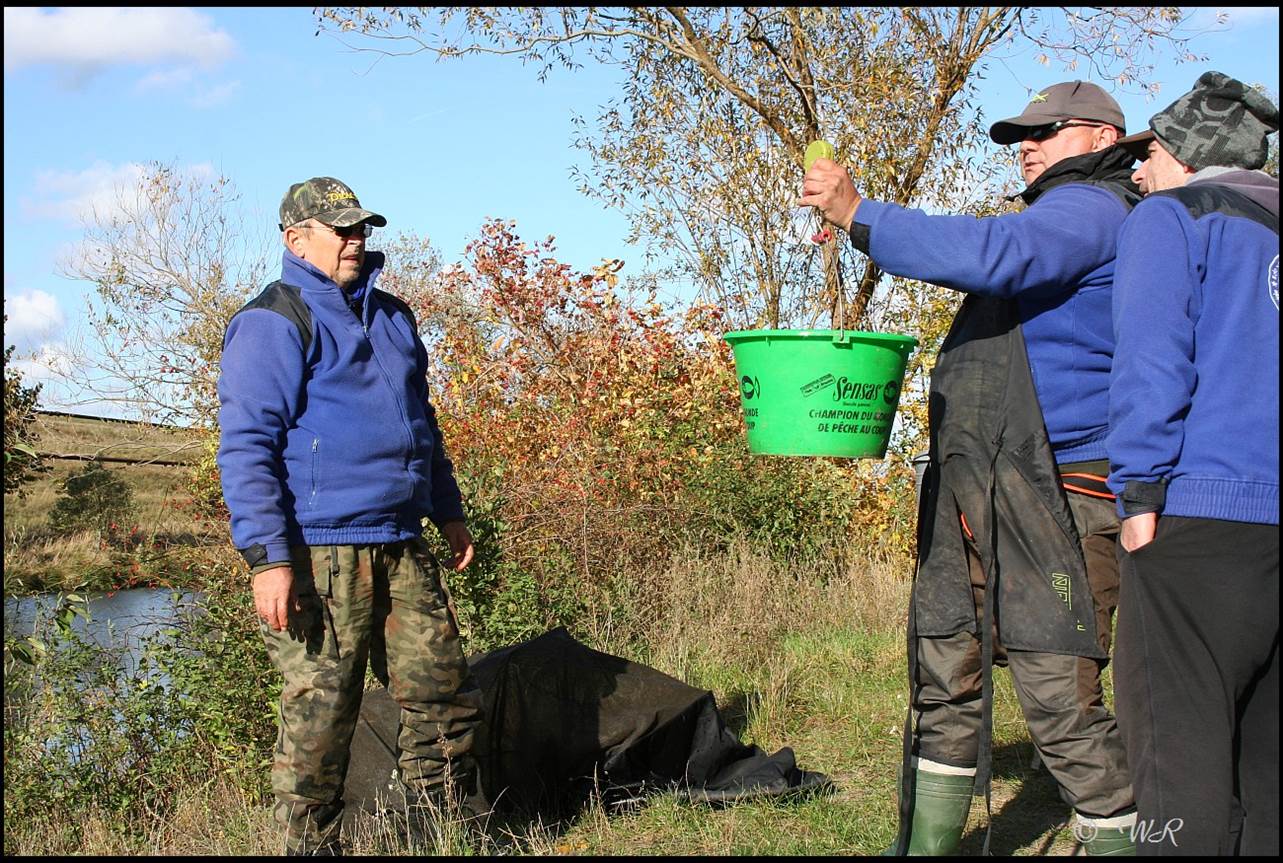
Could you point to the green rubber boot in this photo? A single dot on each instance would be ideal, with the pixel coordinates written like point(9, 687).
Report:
point(1107, 841)
point(941, 803)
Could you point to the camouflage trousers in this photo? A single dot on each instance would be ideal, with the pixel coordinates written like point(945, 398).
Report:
point(385, 603)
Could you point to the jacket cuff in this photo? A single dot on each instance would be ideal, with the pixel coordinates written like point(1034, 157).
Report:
point(263, 567)
point(860, 237)
point(260, 556)
point(1139, 498)
point(866, 214)
point(441, 519)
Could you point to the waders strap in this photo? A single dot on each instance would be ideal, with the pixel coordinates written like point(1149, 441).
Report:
point(984, 757)
point(907, 774)
point(1087, 477)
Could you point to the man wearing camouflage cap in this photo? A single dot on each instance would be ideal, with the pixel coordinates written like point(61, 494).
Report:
point(1194, 454)
point(331, 457)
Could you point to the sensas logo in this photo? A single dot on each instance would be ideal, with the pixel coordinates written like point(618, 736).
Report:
point(848, 391)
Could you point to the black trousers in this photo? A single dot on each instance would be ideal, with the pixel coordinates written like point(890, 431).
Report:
point(1197, 686)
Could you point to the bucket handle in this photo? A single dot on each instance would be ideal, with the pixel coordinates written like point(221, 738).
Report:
point(841, 338)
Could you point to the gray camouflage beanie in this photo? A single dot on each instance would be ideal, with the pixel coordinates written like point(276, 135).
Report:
point(1221, 121)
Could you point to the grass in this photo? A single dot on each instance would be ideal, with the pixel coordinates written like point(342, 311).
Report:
point(116, 438)
point(810, 657)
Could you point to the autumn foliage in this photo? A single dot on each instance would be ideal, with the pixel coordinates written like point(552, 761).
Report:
point(596, 431)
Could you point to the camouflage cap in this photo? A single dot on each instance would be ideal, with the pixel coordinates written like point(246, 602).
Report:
point(1070, 100)
point(1220, 122)
point(327, 200)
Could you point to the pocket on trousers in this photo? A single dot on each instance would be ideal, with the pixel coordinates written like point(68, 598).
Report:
point(430, 572)
point(315, 569)
point(311, 627)
point(1148, 548)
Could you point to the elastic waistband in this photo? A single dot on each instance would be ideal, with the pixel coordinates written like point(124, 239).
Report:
point(1256, 502)
point(1091, 448)
point(370, 534)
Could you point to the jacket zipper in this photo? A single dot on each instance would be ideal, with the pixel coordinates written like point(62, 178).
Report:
point(316, 469)
point(405, 423)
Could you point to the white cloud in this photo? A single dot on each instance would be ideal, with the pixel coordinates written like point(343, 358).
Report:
point(215, 96)
point(200, 94)
point(34, 318)
point(165, 79)
point(76, 196)
point(83, 40)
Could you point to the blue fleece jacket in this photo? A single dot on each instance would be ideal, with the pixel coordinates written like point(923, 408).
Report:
point(337, 445)
point(1056, 259)
point(1195, 395)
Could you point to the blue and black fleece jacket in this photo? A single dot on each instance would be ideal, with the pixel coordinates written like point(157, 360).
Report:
point(1055, 259)
point(327, 434)
point(1194, 405)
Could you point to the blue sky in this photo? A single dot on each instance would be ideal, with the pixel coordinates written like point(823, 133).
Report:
point(436, 147)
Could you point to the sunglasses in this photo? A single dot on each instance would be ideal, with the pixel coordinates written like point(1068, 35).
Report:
point(1042, 133)
point(364, 228)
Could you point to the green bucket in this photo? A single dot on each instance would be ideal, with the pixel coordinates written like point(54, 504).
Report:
point(819, 392)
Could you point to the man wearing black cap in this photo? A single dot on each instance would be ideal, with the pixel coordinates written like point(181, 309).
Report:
point(1016, 528)
point(331, 457)
point(1194, 460)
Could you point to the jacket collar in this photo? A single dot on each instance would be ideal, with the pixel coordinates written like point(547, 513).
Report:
point(298, 272)
point(1257, 185)
point(1111, 165)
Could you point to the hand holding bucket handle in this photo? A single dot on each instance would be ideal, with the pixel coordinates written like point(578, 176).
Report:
point(822, 172)
point(827, 186)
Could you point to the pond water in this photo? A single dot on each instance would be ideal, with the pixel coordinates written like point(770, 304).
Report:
point(123, 620)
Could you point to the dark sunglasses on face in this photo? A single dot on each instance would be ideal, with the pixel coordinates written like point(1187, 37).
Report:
point(1042, 133)
point(346, 232)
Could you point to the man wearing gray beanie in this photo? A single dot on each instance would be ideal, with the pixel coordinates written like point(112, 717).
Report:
point(1194, 462)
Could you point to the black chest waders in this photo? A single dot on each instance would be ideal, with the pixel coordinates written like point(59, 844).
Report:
point(1023, 527)
point(994, 420)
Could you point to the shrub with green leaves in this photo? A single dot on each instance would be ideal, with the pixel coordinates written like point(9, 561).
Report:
point(93, 499)
point(21, 463)
point(87, 732)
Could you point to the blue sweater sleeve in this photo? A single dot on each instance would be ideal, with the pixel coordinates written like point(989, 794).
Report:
point(1042, 251)
point(1153, 376)
point(447, 502)
point(258, 390)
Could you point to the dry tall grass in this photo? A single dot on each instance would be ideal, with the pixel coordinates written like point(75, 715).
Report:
point(818, 651)
point(733, 608)
point(736, 620)
point(37, 558)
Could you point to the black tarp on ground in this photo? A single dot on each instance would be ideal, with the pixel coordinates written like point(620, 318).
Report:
point(563, 721)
